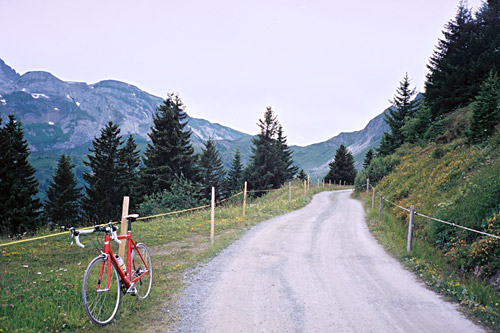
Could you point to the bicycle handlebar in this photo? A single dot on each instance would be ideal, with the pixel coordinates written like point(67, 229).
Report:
point(76, 233)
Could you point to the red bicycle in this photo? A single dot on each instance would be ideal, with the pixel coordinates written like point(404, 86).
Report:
point(107, 276)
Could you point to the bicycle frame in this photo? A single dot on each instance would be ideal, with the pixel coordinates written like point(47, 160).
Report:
point(126, 278)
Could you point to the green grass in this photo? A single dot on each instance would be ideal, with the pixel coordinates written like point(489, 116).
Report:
point(40, 288)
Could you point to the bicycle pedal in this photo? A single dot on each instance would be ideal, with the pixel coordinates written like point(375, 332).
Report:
point(132, 291)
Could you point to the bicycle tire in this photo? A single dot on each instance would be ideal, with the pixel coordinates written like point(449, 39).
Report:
point(144, 285)
point(100, 304)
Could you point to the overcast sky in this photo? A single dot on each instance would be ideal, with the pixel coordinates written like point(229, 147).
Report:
point(324, 66)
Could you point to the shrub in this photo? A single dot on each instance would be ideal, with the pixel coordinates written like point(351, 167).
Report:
point(379, 167)
point(438, 153)
point(184, 194)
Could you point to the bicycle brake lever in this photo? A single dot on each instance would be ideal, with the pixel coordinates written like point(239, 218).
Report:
point(115, 237)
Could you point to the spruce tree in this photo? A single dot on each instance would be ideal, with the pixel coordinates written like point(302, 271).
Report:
point(262, 170)
point(302, 175)
point(19, 208)
point(234, 180)
point(486, 45)
point(212, 171)
point(63, 196)
point(448, 83)
point(104, 189)
point(368, 158)
point(486, 110)
point(286, 170)
point(403, 107)
point(342, 167)
point(170, 153)
point(130, 157)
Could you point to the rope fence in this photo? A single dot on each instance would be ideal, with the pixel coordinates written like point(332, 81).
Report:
point(144, 218)
point(412, 212)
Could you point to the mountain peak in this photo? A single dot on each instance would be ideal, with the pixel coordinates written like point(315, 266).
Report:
point(7, 76)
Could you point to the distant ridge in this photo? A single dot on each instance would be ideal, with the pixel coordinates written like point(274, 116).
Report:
point(61, 116)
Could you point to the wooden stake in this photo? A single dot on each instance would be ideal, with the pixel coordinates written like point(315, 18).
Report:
point(308, 183)
point(123, 230)
point(380, 210)
point(305, 187)
point(367, 185)
point(373, 198)
point(290, 194)
point(244, 200)
point(410, 230)
point(212, 222)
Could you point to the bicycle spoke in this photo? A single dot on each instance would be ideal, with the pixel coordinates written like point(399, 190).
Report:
point(101, 303)
point(141, 262)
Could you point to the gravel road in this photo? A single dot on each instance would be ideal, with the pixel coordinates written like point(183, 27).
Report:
point(313, 270)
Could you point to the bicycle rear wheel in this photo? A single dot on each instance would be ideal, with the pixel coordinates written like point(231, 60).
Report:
point(141, 263)
point(100, 302)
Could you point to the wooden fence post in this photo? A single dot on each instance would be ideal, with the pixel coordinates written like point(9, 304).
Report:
point(290, 194)
point(123, 230)
point(308, 183)
point(305, 187)
point(323, 182)
point(367, 185)
point(380, 210)
point(244, 200)
point(212, 220)
point(373, 198)
point(409, 244)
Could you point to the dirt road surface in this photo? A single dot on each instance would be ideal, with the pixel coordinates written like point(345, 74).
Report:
point(313, 270)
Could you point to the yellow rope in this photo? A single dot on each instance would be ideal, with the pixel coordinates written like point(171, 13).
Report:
point(140, 218)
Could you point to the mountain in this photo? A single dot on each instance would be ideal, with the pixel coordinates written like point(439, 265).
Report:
point(314, 158)
point(59, 115)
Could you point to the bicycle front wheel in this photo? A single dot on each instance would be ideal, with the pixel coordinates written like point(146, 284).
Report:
point(101, 291)
point(141, 262)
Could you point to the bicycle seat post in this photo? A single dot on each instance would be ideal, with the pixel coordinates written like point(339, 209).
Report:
point(129, 226)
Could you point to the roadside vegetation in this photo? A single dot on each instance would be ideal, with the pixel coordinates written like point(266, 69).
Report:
point(40, 289)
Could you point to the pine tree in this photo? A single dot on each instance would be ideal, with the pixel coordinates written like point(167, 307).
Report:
point(212, 171)
point(130, 157)
point(404, 107)
point(170, 153)
point(342, 168)
point(104, 192)
point(486, 110)
point(302, 175)
point(264, 161)
point(368, 158)
point(448, 83)
point(19, 209)
point(234, 180)
point(486, 45)
point(286, 170)
point(63, 196)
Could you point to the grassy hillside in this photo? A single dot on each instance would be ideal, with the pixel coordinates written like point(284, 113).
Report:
point(455, 182)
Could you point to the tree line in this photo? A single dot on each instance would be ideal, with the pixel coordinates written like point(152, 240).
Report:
point(169, 176)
